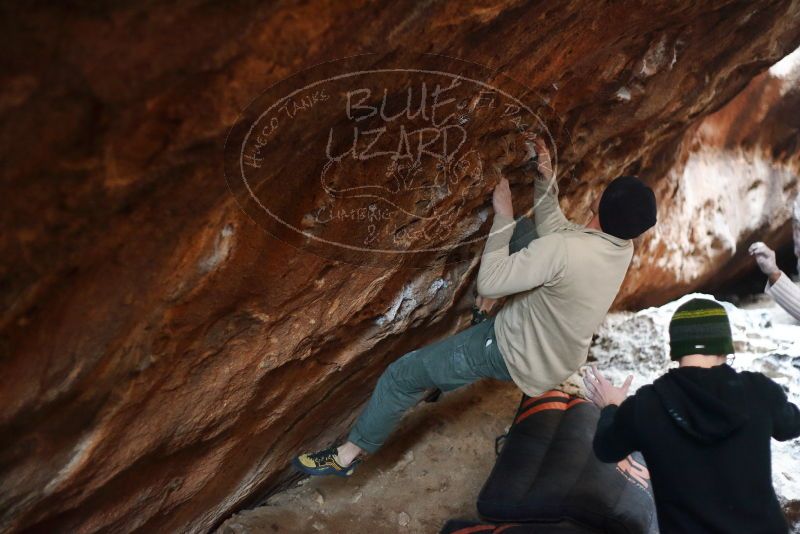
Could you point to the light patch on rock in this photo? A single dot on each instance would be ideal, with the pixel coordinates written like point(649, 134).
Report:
point(726, 195)
point(414, 294)
point(222, 248)
point(654, 58)
point(391, 313)
point(436, 285)
point(788, 69)
point(77, 458)
point(401, 306)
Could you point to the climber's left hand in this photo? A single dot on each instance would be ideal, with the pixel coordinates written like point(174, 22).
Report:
point(501, 199)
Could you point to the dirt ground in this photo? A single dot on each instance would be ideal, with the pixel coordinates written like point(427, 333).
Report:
point(430, 470)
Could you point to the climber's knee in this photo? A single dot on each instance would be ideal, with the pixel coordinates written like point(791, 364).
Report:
point(405, 375)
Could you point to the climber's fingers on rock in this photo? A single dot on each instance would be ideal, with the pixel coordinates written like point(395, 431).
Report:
point(541, 146)
point(538, 147)
point(501, 199)
point(502, 191)
point(543, 160)
point(530, 150)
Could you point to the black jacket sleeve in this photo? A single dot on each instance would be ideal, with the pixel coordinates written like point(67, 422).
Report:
point(615, 437)
point(785, 415)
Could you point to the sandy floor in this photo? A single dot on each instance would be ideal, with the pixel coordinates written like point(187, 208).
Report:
point(431, 470)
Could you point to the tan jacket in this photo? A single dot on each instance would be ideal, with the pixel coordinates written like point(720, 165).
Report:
point(562, 283)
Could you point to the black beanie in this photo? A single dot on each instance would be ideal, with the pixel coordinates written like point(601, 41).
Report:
point(627, 208)
point(700, 326)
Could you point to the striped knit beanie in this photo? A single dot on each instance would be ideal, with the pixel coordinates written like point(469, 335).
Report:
point(700, 326)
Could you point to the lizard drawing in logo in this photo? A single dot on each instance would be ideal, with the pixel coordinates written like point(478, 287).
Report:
point(425, 196)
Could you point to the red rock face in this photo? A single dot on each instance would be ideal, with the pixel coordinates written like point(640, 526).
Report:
point(734, 182)
point(162, 356)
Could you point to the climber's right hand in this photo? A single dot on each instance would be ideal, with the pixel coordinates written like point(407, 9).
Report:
point(542, 155)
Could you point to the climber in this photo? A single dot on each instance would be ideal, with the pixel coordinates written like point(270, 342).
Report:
point(562, 282)
point(703, 428)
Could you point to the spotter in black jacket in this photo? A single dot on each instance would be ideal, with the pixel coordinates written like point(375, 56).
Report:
point(705, 435)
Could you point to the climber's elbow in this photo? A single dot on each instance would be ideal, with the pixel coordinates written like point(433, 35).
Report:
point(483, 288)
point(487, 289)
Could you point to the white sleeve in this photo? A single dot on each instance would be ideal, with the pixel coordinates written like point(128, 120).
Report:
point(786, 294)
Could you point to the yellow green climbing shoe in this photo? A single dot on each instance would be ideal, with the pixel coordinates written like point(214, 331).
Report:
point(323, 463)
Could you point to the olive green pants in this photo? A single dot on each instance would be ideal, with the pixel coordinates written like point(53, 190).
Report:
point(448, 364)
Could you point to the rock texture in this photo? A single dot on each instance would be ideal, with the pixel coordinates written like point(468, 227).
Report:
point(734, 182)
point(161, 357)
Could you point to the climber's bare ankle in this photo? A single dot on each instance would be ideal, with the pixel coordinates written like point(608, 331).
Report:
point(348, 452)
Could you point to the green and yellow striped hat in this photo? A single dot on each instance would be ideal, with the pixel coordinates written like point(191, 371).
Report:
point(700, 326)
